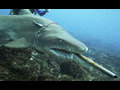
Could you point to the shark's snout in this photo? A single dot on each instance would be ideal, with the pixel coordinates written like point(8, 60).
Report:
point(67, 48)
point(85, 49)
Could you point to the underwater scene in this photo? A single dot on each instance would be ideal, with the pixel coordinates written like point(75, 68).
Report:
point(59, 44)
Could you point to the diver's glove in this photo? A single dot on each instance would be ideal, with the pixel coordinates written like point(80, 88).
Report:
point(47, 10)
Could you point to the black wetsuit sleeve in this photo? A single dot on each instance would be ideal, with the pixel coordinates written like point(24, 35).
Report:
point(41, 13)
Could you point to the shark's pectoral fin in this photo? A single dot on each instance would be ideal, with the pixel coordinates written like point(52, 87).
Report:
point(19, 43)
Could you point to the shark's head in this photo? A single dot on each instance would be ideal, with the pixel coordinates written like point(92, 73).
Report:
point(56, 41)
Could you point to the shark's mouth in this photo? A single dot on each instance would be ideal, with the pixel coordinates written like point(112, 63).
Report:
point(61, 53)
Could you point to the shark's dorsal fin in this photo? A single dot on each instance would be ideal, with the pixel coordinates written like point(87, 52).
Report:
point(19, 43)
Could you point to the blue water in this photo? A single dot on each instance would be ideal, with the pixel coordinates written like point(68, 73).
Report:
point(101, 25)
point(96, 28)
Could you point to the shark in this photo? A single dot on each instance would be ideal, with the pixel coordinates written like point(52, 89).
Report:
point(43, 35)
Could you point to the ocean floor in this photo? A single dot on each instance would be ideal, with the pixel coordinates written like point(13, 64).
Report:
point(28, 65)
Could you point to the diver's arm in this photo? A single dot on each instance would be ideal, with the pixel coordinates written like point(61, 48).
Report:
point(20, 11)
point(14, 11)
point(41, 13)
point(33, 11)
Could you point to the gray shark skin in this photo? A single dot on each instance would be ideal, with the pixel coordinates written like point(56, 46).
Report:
point(45, 36)
point(52, 39)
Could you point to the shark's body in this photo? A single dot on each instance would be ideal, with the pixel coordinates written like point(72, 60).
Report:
point(27, 30)
point(45, 38)
point(17, 26)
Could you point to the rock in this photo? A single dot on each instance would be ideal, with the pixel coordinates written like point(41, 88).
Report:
point(66, 78)
point(17, 65)
point(74, 69)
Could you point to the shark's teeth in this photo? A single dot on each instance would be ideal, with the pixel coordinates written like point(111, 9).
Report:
point(54, 52)
point(62, 54)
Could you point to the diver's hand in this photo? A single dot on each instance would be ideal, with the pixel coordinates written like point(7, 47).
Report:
point(47, 10)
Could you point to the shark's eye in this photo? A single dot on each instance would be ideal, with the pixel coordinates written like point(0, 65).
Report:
point(60, 40)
